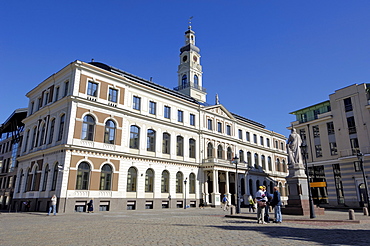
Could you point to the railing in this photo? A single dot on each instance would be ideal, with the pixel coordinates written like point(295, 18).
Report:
point(191, 85)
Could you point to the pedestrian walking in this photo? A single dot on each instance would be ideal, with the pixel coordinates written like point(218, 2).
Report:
point(225, 202)
point(251, 204)
point(53, 205)
point(261, 204)
point(90, 207)
point(276, 203)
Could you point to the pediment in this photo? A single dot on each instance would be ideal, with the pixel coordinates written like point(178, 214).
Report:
point(220, 110)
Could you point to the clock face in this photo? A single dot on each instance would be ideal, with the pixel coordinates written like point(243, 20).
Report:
point(184, 58)
point(195, 58)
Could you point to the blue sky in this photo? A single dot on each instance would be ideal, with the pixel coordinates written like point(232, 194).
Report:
point(265, 58)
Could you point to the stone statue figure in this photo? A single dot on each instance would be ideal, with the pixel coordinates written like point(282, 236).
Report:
point(293, 148)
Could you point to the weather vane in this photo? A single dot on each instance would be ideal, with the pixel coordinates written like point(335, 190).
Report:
point(191, 17)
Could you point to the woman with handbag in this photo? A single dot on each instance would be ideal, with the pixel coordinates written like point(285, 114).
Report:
point(261, 204)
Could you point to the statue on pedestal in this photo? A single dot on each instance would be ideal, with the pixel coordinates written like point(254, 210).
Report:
point(293, 148)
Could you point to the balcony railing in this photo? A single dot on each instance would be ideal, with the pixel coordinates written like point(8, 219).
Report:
point(191, 85)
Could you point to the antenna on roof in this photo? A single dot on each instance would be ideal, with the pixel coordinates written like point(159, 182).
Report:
point(189, 27)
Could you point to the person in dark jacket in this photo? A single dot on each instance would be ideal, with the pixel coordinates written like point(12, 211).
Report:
point(267, 208)
point(90, 207)
point(276, 202)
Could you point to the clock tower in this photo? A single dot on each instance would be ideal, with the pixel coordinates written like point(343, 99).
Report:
point(190, 71)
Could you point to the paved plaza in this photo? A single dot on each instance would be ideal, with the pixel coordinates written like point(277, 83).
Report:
point(192, 226)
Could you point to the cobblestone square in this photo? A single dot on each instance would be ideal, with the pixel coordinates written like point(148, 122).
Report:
point(173, 227)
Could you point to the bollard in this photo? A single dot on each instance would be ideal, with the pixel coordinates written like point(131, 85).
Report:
point(366, 212)
point(351, 214)
point(232, 210)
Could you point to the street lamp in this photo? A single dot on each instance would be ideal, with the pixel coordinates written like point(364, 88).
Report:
point(185, 181)
point(360, 157)
point(235, 161)
point(312, 210)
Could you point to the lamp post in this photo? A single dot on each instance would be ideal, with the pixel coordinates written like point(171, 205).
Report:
point(312, 210)
point(235, 161)
point(360, 157)
point(185, 181)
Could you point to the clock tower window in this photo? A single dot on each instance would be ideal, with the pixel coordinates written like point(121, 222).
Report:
point(184, 80)
point(196, 81)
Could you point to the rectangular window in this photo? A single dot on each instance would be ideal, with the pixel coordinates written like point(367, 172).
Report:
point(318, 150)
point(228, 130)
point(136, 102)
point(219, 127)
point(240, 134)
point(261, 140)
point(333, 148)
point(180, 116)
point(39, 104)
point(330, 126)
point(338, 183)
point(32, 107)
point(192, 119)
point(152, 107)
point(66, 88)
point(167, 112)
point(267, 142)
point(113, 95)
point(316, 131)
point(56, 94)
point(348, 104)
point(209, 124)
point(247, 136)
point(255, 140)
point(357, 166)
point(302, 133)
point(92, 89)
point(354, 145)
point(46, 98)
point(351, 125)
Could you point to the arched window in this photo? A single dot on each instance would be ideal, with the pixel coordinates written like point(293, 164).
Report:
point(88, 128)
point(192, 183)
point(229, 154)
point(256, 161)
point(278, 165)
point(106, 177)
point(179, 179)
point(165, 184)
point(61, 128)
point(34, 140)
point(149, 180)
point(42, 135)
point(192, 148)
point(241, 156)
point(26, 180)
point(45, 180)
point(134, 137)
point(184, 81)
point(20, 180)
point(220, 152)
point(249, 158)
point(55, 177)
point(110, 132)
point(51, 132)
point(263, 160)
point(131, 179)
point(166, 143)
point(150, 146)
point(83, 175)
point(27, 139)
point(180, 146)
point(34, 178)
point(209, 150)
point(269, 163)
point(280, 186)
point(196, 82)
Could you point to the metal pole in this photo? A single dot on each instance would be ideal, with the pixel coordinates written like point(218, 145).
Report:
point(312, 210)
point(185, 193)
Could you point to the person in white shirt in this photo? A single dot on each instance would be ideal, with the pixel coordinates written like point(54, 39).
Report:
point(53, 205)
point(260, 199)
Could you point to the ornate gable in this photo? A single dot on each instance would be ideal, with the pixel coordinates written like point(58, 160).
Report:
point(219, 110)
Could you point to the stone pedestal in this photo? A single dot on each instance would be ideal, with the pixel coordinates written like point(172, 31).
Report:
point(298, 199)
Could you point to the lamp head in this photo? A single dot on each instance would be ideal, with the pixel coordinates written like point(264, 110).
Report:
point(360, 156)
